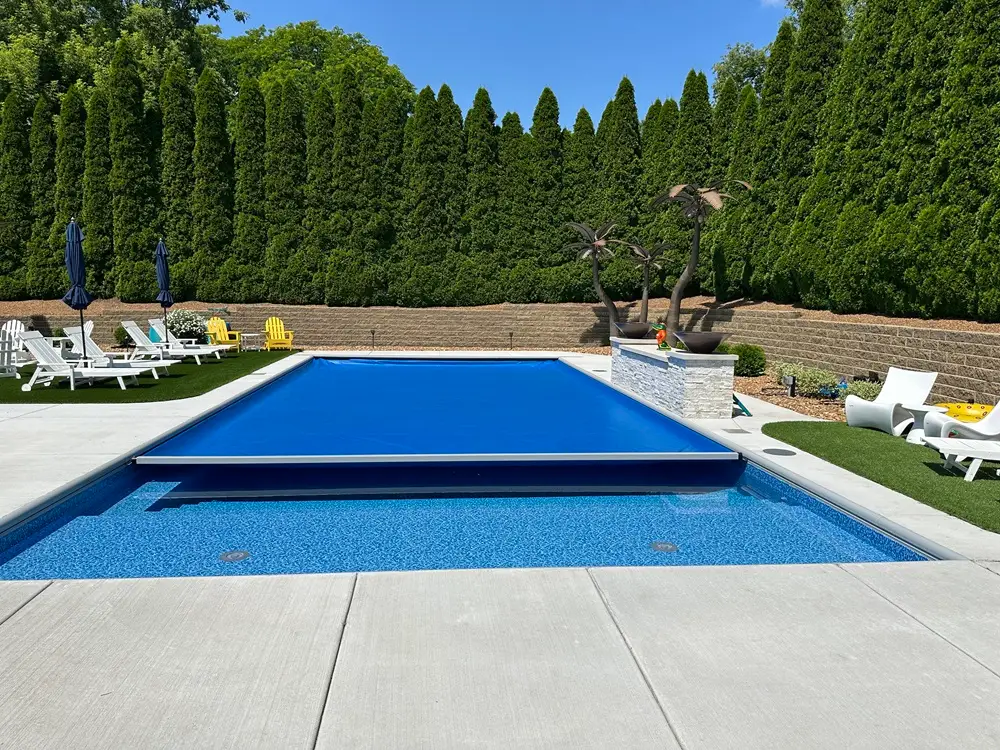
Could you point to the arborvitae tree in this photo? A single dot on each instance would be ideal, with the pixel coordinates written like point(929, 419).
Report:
point(723, 122)
point(771, 120)
point(284, 180)
point(177, 175)
point(241, 276)
point(97, 219)
point(42, 278)
point(692, 155)
point(546, 182)
point(481, 207)
point(730, 261)
point(817, 53)
point(309, 266)
point(132, 185)
point(387, 176)
point(15, 196)
point(515, 190)
point(451, 141)
point(417, 278)
point(651, 114)
point(212, 199)
point(580, 172)
point(619, 160)
point(71, 140)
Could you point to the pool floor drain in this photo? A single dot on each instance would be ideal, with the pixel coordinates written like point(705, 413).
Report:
point(235, 555)
point(663, 546)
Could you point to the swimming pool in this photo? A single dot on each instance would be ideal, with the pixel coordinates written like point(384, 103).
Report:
point(364, 465)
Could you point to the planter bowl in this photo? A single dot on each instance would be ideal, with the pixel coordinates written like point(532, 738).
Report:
point(633, 330)
point(701, 342)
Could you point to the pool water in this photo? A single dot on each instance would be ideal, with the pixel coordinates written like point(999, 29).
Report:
point(140, 526)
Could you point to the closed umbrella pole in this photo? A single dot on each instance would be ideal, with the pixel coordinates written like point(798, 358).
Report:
point(165, 298)
point(77, 297)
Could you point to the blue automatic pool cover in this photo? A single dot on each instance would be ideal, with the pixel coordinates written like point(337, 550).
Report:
point(383, 407)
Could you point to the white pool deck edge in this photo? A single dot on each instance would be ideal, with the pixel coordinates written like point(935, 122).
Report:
point(784, 657)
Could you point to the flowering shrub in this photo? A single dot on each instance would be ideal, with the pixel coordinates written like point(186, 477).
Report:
point(185, 324)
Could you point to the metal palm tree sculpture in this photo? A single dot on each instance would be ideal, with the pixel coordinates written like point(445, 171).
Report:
point(594, 244)
point(697, 203)
point(649, 259)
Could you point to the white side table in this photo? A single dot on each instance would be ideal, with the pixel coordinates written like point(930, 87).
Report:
point(919, 411)
point(251, 342)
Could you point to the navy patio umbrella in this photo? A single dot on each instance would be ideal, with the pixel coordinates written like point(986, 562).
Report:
point(165, 298)
point(77, 297)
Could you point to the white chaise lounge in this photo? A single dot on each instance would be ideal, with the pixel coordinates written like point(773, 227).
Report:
point(144, 348)
point(50, 366)
point(100, 358)
point(956, 450)
point(8, 357)
point(887, 412)
point(941, 425)
point(157, 325)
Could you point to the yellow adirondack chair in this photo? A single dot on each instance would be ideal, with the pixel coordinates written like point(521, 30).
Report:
point(277, 336)
point(219, 335)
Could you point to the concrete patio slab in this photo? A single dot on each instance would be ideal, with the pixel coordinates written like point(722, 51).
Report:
point(797, 657)
point(15, 594)
point(171, 663)
point(486, 658)
point(9, 411)
point(960, 601)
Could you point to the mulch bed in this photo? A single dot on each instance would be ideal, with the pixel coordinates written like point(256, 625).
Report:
point(765, 389)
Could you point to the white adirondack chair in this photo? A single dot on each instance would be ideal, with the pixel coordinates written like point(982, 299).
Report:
point(8, 361)
point(13, 329)
point(100, 358)
point(887, 412)
point(50, 366)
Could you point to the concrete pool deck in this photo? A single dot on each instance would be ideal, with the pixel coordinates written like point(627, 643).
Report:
point(900, 655)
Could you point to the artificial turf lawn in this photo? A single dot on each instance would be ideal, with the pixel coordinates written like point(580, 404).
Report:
point(186, 379)
point(913, 470)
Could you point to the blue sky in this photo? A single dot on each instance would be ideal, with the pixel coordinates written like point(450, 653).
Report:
point(514, 48)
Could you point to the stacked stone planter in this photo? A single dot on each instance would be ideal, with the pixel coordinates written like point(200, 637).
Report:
point(693, 386)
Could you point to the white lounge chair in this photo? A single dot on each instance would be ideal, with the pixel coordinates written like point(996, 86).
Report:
point(161, 351)
point(941, 425)
point(13, 329)
point(956, 450)
point(8, 359)
point(50, 366)
point(887, 412)
point(100, 358)
point(157, 325)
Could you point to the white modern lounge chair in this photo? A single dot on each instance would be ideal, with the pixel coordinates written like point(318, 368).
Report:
point(97, 357)
point(887, 412)
point(8, 359)
point(50, 366)
point(157, 325)
point(957, 450)
point(144, 348)
point(987, 428)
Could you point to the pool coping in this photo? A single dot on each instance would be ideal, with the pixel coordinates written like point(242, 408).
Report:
point(871, 518)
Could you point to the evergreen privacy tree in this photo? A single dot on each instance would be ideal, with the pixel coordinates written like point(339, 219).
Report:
point(481, 207)
point(42, 278)
point(580, 171)
point(384, 177)
point(177, 175)
point(515, 191)
point(309, 265)
point(771, 120)
point(284, 180)
point(242, 273)
point(619, 161)
point(417, 278)
point(546, 183)
point(723, 122)
point(657, 174)
point(212, 199)
point(71, 141)
point(97, 219)
point(730, 261)
point(817, 53)
point(131, 180)
point(451, 142)
point(15, 197)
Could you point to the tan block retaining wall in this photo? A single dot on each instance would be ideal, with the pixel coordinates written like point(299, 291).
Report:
point(968, 362)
